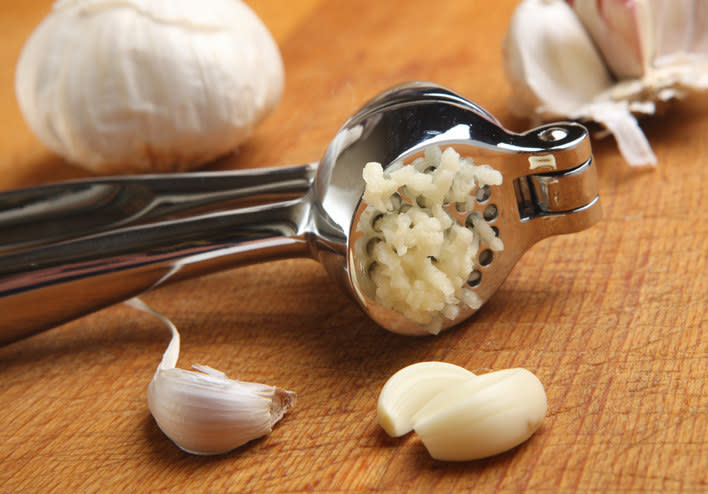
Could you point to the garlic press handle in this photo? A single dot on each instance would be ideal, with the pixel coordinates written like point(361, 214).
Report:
point(51, 213)
point(45, 286)
point(72, 248)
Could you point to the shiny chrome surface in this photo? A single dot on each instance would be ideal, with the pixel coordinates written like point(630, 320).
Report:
point(55, 212)
point(107, 250)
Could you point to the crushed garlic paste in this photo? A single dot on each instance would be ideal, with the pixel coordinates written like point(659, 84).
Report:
point(420, 256)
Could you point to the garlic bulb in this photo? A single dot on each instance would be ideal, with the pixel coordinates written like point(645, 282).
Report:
point(606, 61)
point(147, 85)
point(460, 416)
point(551, 61)
point(205, 412)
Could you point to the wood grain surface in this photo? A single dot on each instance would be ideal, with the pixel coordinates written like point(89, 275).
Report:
point(612, 320)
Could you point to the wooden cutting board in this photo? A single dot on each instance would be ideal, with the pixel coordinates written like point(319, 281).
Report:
point(613, 320)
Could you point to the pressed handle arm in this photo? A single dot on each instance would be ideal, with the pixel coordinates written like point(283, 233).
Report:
point(50, 213)
point(46, 286)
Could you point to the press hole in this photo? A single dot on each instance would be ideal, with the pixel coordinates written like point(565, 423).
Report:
point(371, 244)
point(469, 221)
point(372, 267)
point(483, 194)
point(396, 201)
point(461, 207)
point(420, 201)
point(376, 222)
point(474, 279)
point(490, 212)
point(486, 257)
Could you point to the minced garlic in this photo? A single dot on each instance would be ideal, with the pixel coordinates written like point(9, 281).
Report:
point(421, 255)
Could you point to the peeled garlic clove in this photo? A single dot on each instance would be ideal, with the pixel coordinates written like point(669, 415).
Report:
point(142, 86)
point(412, 387)
point(208, 413)
point(205, 412)
point(482, 416)
point(551, 61)
point(623, 32)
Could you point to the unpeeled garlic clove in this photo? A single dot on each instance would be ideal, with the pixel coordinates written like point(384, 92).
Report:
point(205, 412)
point(482, 417)
point(412, 387)
point(551, 61)
point(622, 31)
point(636, 36)
point(658, 49)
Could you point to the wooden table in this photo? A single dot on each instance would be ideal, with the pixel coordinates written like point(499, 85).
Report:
point(612, 320)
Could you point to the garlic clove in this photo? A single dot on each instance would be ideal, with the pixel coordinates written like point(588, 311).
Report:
point(635, 36)
point(205, 412)
point(622, 31)
point(482, 416)
point(551, 61)
point(208, 413)
point(412, 387)
point(658, 49)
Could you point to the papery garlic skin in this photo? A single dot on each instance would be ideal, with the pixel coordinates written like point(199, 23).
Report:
point(409, 389)
point(680, 26)
point(147, 85)
point(205, 412)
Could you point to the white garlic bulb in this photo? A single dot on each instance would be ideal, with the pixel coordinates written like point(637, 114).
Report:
point(606, 61)
point(205, 412)
point(147, 85)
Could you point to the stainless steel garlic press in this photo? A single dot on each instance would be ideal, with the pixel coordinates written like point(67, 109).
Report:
point(71, 248)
